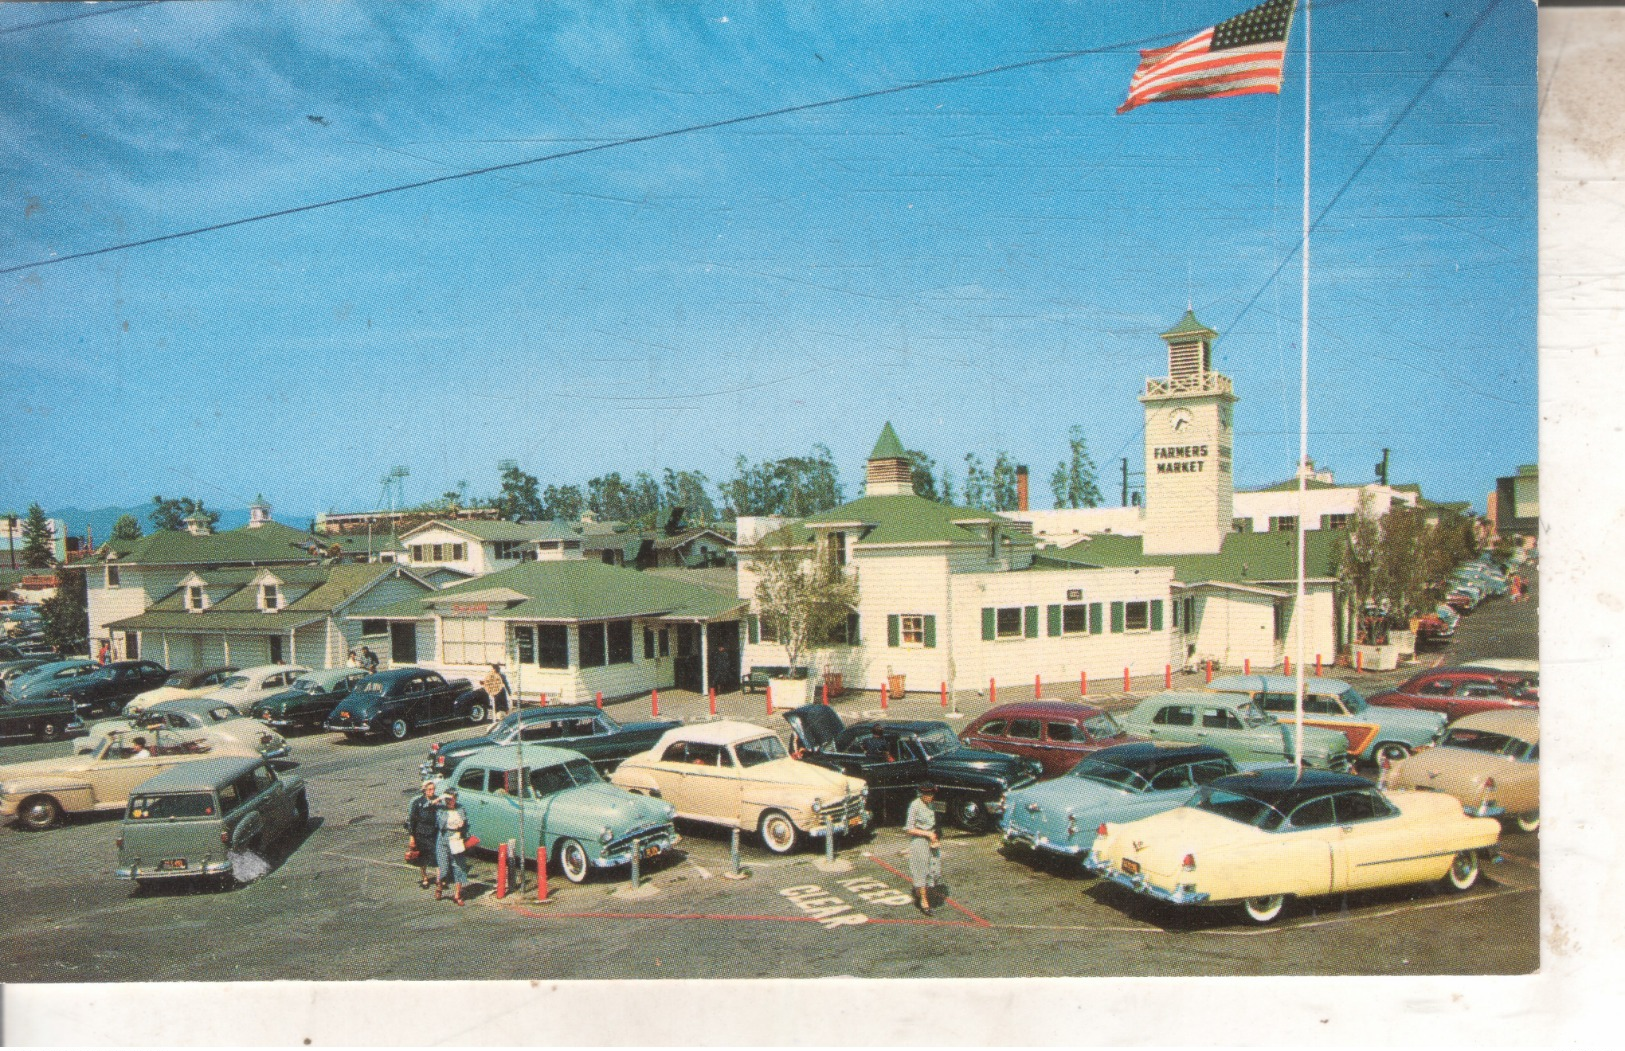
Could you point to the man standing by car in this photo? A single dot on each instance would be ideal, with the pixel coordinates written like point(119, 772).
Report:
point(423, 830)
point(369, 660)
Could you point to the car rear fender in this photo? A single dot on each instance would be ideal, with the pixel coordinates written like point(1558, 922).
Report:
point(72, 793)
point(248, 828)
point(636, 779)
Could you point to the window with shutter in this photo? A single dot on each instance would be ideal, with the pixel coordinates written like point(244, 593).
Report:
point(1156, 614)
point(894, 630)
point(1032, 622)
point(1054, 613)
point(989, 623)
point(1097, 623)
point(930, 631)
point(1175, 612)
point(1117, 617)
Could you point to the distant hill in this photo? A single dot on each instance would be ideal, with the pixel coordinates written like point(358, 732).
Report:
point(102, 518)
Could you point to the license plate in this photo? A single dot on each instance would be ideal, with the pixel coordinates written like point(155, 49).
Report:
point(940, 808)
point(344, 715)
point(173, 863)
point(853, 822)
point(651, 852)
point(1131, 866)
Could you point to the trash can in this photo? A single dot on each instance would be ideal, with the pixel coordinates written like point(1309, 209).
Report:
point(894, 686)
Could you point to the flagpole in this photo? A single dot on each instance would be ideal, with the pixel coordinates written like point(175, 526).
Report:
point(1299, 616)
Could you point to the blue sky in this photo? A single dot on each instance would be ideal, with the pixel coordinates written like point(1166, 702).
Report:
point(984, 262)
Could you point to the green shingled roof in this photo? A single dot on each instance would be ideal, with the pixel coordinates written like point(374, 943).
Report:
point(1189, 326)
point(901, 519)
point(333, 586)
point(270, 543)
point(888, 447)
point(1244, 558)
point(489, 530)
point(578, 589)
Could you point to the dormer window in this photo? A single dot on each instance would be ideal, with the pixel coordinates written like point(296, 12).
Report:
point(835, 549)
point(196, 600)
point(112, 576)
point(270, 598)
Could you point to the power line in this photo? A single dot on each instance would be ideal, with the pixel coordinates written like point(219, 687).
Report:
point(74, 18)
point(633, 140)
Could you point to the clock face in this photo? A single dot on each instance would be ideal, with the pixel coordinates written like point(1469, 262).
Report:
point(1181, 419)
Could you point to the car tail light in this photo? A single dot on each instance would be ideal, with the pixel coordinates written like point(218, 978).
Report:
point(225, 836)
point(1189, 864)
point(1101, 831)
point(1071, 826)
point(1487, 805)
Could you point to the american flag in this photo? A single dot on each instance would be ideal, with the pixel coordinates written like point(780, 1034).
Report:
point(1239, 56)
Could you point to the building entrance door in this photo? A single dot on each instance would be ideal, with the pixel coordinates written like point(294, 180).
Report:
point(723, 660)
point(403, 644)
point(686, 671)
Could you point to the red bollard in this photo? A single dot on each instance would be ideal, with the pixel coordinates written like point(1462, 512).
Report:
point(1167, 676)
point(654, 704)
point(713, 700)
point(1359, 661)
point(992, 691)
point(1286, 666)
point(598, 698)
point(826, 692)
point(1083, 684)
point(541, 872)
point(768, 693)
point(1207, 667)
point(1247, 666)
point(1125, 681)
point(944, 696)
point(1317, 664)
point(885, 692)
point(502, 871)
point(1038, 687)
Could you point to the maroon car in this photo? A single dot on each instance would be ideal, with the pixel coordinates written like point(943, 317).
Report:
point(1056, 733)
point(1463, 691)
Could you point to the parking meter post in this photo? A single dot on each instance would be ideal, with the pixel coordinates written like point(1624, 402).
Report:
point(637, 871)
point(829, 839)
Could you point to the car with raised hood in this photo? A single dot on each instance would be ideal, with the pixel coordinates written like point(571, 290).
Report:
point(199, 820)
point(1489, 763)
point(198, 714)
point(1122, 783)
point(1457, 692)
point(741, 776)
point(185, 682)
point(1374, 733)
point(39, 793)
point(1259, 839)
point(105, 689)
point(1237, 725)
point(243, 688)
point(580, 727)
point(307, 703)
point(893, 758)
point(555, 800)
point(398, 701)
point(1056, 733)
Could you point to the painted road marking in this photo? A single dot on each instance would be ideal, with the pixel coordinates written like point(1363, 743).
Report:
point(973, 917)
point(702, 870)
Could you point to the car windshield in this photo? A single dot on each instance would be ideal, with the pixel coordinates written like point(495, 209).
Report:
point(1352, 700)
point(1237, 807)
point(759, 750)
point(178, 678)
point(1110, 774)
point(1251, 716)
point(309, 686)
point(1484, 741)
point(582, 772)
point(235, 682)
point(178, 805)
point(937, 740)
point(1102, 725)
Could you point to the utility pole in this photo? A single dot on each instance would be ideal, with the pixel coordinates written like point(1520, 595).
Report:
point(1125, 481)
point(1382, 469)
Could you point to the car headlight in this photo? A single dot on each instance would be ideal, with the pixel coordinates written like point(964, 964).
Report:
point(606, 835)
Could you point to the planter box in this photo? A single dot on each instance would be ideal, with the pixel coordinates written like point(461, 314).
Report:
point(1377, 658)
point(789, 693)
point(1404, 641)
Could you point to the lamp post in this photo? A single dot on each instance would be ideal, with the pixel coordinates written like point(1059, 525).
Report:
point(11, 536)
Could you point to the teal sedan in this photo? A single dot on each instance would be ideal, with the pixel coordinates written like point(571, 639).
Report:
point(1382, 734)
point(565, 807)
point(1235, 724)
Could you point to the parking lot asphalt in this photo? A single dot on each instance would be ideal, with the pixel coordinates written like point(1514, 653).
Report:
point(342, 904)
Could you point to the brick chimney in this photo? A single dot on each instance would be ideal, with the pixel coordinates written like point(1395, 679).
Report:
point(1021, 488)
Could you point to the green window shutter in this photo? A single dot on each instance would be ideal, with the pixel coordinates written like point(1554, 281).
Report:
point(754, 625)
point(1117, 616)
point(1031, 622)
point(1097, 623)
point(989, 623)
point(930, 631)
point(1156, 614)
point(851, 629)
point(1174, 609)
point(894, 629)
point(1054, 621)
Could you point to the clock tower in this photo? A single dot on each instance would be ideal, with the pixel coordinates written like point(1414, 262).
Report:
point(1188, 485)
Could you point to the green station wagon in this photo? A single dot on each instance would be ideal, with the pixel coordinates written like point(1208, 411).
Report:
point(198, 819)
point(1235, 724)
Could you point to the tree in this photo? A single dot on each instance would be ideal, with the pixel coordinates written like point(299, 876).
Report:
point(977, 492)
point(801, 599)
point(564, 502)
point(1075, 483)
point(128, 527)
point(1003, 483)
point(63, 617)
point(608, 497)
point(925, 478)
point(36, 552)
point(519, 498)
point(172, 514)
point(1357, 566)
point(796, 486)
point(686, 489)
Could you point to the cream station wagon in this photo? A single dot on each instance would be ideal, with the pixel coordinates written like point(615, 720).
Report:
point(741, 776)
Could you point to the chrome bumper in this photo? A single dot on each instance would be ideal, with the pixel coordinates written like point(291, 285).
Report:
point(209, 868)
point(1037, 841)
point(348, 728)
point(622, 853)
point(1137, 883)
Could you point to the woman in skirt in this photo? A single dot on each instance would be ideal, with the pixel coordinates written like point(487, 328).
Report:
point(924, 857)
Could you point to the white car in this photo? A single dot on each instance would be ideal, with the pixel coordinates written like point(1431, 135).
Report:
point(180, 685)
point(255, 684)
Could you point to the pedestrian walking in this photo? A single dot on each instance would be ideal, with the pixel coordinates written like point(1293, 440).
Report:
point(423, 830)
point(496, 690)
point(924, 850)
point(451, 846)
point(369, 660)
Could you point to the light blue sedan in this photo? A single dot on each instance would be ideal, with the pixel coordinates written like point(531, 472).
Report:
point(1122, 783)
point(1333, 702)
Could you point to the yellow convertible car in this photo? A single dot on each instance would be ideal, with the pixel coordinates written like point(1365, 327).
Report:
point(1259, 839)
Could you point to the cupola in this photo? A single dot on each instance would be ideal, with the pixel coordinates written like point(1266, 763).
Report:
point(889, 472)
point(259, 512)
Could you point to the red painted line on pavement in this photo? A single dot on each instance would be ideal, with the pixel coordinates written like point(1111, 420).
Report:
point(975, 918)
point(721, 916)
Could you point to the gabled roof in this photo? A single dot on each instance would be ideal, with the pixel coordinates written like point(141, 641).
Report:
point(573, 590)
point(335, 585)
point(901, 519)
point(494, 531)
point(666, 543)
point(888, 447)
point(272, 542)
point(1243, 558)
